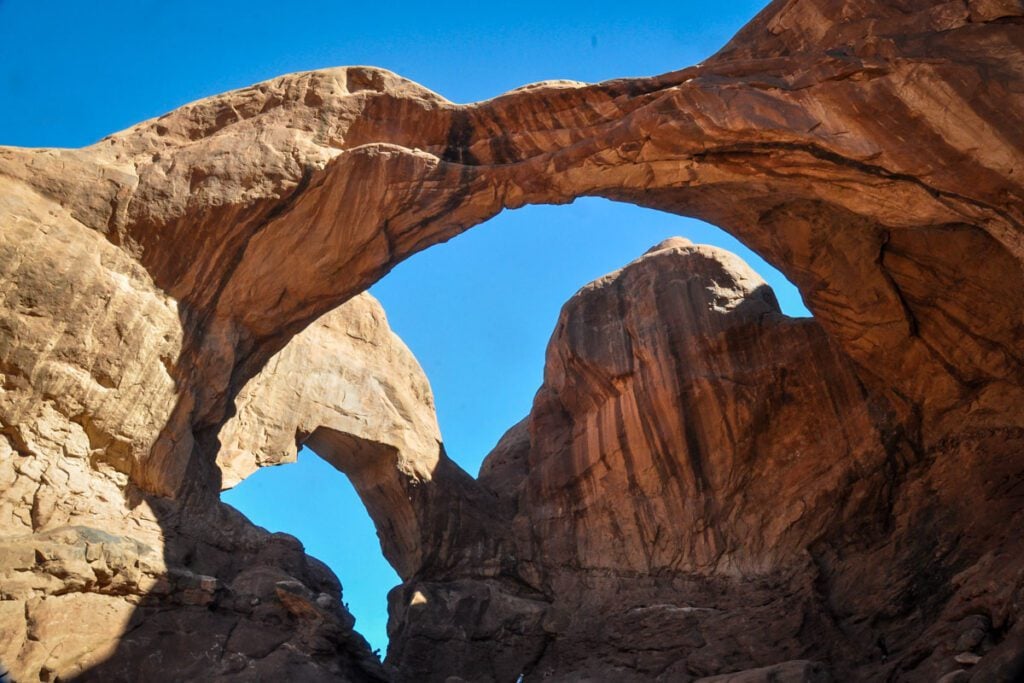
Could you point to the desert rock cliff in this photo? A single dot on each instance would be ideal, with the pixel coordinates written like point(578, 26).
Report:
point(703, 486)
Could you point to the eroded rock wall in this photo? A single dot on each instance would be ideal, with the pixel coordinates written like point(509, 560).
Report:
point(705, 485)
point(100, 580)
point(871, 150)
point(350, 390)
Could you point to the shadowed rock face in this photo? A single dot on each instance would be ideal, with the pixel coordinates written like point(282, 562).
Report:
point(703, 485)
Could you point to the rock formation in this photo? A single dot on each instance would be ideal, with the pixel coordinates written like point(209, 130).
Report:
point(703, 486)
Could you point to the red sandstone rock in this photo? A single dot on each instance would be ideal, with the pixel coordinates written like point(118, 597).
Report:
point(871, 150)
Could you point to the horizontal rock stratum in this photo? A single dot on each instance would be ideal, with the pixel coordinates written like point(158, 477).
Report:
point(703, 486)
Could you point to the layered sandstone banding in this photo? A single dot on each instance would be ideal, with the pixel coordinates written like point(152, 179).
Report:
point(705, 485)
point(859, 509)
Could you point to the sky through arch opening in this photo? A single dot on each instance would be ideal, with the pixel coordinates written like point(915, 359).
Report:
point(477, 312)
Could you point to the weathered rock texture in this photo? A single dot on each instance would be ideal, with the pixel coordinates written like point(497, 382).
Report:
point(350, 389)
point(705, 485)
point(755, 492)
point(99, 580)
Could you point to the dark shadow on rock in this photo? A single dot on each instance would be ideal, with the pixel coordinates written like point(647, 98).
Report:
point(236, 603)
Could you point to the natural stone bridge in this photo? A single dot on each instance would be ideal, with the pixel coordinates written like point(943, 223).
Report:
point(703, 485)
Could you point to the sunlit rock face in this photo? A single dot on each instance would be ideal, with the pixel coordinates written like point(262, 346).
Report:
point(703, 485)
point(678, 406)
point(706, 485)
point(350, 389)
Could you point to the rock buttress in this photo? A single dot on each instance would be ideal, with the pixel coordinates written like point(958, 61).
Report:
point(703, 486)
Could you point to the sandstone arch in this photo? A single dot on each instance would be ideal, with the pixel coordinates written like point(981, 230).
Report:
point(797, 133)
point(350, 390)
point(869, 150)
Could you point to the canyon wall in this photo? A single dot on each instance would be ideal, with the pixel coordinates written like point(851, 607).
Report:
point(703, 485)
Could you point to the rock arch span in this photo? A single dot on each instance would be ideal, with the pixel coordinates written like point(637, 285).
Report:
point(349, 389)
point(874, 158)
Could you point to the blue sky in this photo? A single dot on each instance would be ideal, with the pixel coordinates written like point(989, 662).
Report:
point(476, 311)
